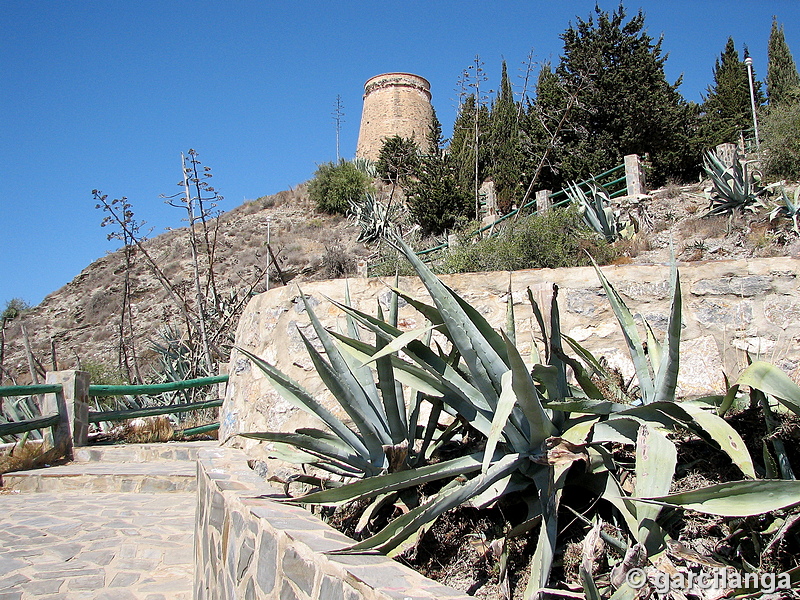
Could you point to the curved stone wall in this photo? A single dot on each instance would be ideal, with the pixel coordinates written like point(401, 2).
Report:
point(729, 307)
point(394, 104)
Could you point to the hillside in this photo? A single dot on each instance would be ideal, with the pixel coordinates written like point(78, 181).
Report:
point(82, 318)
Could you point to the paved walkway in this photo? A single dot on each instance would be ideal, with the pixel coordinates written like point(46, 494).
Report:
point(74, 538)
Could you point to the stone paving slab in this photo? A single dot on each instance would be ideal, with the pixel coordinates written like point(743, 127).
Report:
point(98, 546)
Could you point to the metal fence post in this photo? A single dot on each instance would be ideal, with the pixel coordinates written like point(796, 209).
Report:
point(72, 405)
point(634, 175)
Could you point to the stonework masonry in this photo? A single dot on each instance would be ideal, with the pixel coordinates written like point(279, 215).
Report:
point(394, 104)
point(250, 547)
point(729, 308)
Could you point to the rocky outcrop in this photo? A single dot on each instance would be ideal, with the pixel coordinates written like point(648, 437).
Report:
point(729, 307)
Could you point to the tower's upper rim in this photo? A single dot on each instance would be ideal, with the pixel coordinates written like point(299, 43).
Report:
point(397, 78)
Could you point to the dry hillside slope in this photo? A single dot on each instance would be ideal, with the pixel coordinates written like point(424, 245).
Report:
point(82, 318)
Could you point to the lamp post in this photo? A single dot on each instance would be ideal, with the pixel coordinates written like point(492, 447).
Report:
point(749, 62)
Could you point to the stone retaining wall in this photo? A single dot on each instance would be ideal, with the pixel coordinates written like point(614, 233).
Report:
point(729, 307)
point(249, 546)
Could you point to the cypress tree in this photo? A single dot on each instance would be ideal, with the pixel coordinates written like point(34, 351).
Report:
point(727, 110)
point(783, 81)
point(505, 152)
point(436, 200)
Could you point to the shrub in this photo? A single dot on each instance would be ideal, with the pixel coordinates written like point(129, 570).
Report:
point(337, 261)
point(779, 128)
point(558, 238)
point(14, 308)
point(335, 186)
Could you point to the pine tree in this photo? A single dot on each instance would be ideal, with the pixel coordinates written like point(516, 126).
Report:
point(783, 81)
point(726, 110)
point(625, 103)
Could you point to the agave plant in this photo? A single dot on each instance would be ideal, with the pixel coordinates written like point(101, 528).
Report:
point(372, 216)
point(733, 188)
point(595, 208)
point(382, 438)
point(789, 208)
point(541, 433)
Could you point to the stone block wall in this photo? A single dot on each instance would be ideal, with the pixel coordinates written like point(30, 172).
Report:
point(729, 307)
point(248, 546)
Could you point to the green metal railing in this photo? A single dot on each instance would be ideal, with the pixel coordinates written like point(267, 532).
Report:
point(30, 390)
point(559, 198)
point(24, 426)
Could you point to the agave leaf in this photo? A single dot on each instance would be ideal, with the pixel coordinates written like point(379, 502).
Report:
point(631, 335)
point(614, 494)
point(772, 381)
point(723, 434)
point(352, 330)
point(770, 466)
point(537, 313)
point(653, 345)
point(401, 528)
point(656, 458)
point(383, 484)
point(621, 431)
point(541, 424)
point(357, 382)
point(351, 398)
point(500, 489)
point(393, 402)
point(550, 485)
point(476, 349)
point(372, 508)
point(404, 372)
point(293, 393)
point(735, 498)
point(394, 303)
point(431, 313)
point(511, 328)
point(667, 375)
point(400, 342)
point(504, 407)
point(588, 406)
point(428, 360)
point(315, 446)
point(577, 431)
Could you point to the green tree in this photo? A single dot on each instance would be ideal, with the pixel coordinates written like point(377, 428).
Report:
point(781, 144)
point(625, 105)
point(336, 185)
point(398, 159)
point(505, 146)
point(783, 81)
point(726, 110)
point(436, 200)
point(541, 126)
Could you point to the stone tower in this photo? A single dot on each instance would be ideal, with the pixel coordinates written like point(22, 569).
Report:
point(394, 104)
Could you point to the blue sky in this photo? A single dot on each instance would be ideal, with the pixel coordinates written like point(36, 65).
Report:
point(108, 94)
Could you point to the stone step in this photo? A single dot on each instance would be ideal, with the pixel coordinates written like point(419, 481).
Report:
point(141, 453)
point(91, 477)
point(136, 468)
